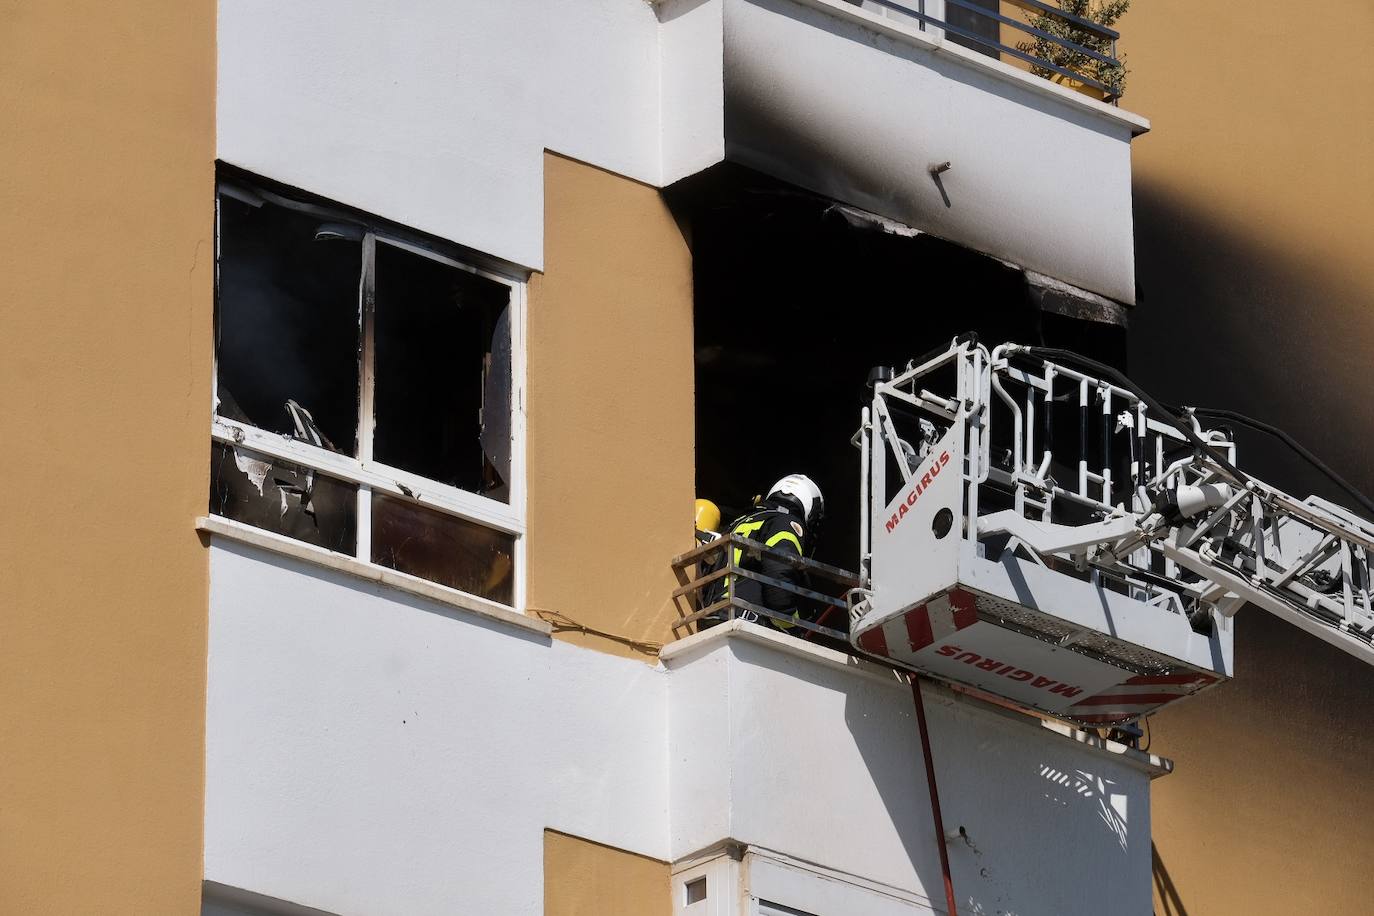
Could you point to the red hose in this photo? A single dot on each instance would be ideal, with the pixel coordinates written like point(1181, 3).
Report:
point(934, 794)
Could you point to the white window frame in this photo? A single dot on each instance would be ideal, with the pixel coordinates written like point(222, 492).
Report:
point(368, 474)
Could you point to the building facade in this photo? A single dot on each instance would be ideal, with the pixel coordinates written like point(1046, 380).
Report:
point(416, 331)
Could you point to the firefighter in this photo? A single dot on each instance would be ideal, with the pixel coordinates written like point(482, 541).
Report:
point(785, 520)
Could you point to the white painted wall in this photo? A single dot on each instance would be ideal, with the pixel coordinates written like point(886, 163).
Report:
point(436, 113)
point(371, 752)
point(693, 86)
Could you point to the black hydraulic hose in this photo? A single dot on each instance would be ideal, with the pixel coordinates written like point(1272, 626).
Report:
point(1115, 375)
point(1297, 447)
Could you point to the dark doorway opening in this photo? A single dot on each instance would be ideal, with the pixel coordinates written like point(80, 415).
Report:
point(796, 298)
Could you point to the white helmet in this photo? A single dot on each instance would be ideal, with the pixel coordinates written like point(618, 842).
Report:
point(803, 491)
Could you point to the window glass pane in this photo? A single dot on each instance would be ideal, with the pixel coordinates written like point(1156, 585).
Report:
point(282, 497)
point(442, 548)
point(973, 21)
point(442, 366)
point(287, 326)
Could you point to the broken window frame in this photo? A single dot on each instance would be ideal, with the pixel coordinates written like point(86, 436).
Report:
point(364, 471)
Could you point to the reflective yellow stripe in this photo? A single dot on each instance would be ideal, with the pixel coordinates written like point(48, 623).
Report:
point(783, 536)
point(744, 529)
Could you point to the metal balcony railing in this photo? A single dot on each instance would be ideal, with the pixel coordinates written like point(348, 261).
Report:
point(707, 577)
point(1070, 47)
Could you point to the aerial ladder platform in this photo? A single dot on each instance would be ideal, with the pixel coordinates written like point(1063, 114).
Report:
point(1037, 527)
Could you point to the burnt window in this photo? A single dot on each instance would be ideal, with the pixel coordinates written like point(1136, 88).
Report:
point(283, 497)
point(441, 341)
point(407, 538)
point(365, 387)
point(287, 320)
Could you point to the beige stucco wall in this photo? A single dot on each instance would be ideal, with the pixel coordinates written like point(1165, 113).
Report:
point(582, 878)
point(106, 229)
point(1254, 223)
point(610, 413)
point(1264, 813)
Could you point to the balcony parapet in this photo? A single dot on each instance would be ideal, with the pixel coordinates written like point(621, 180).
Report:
point(895, 116)
point(779, 743)
point(855, 664)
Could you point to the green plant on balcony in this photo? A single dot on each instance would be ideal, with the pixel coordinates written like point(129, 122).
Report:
point(1105, 13)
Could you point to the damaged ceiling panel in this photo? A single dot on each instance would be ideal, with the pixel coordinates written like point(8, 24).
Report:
point(1045, 292)
point(1060, 298)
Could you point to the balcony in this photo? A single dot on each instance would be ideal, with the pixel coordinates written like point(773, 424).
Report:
point(928, 114)
point(796, 772)
point(796, 782)
point(790, 751)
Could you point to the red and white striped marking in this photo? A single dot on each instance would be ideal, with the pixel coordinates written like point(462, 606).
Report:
point(923, 625)
point(945, 638)
point(1137, 696)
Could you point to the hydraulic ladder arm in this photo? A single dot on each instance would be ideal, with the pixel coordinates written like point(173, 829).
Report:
point(1245, 541)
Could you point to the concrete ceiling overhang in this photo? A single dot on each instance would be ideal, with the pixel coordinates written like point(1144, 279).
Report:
point(873, 113)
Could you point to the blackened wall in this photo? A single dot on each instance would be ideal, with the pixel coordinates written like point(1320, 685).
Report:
point(1254, 201)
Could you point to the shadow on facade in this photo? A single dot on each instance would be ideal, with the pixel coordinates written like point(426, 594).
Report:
point(1266, 328)
point(1008, 801)
point(1256, 322)
point(1170, 904)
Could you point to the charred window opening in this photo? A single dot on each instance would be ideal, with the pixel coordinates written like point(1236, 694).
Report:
point(364, 389)
point(441, 334)
point(287, 320)
point(282, 497)
point(796, 299)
